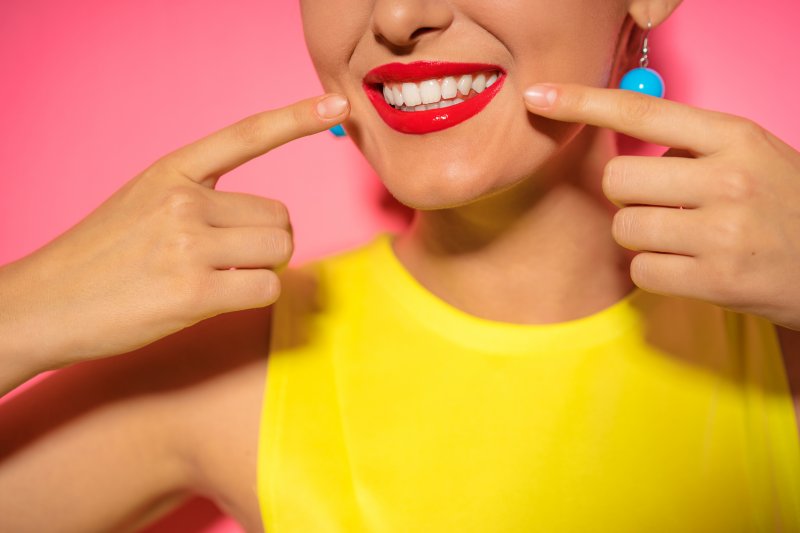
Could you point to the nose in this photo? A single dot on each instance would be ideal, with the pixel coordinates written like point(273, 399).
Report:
point(401, 23)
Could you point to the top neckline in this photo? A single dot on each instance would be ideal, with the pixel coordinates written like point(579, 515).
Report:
point(491, 335)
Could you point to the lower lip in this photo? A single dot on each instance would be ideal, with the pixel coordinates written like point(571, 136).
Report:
point(419, 122)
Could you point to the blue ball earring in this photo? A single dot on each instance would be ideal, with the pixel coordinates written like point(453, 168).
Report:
point(338, 131)
point(644, 80)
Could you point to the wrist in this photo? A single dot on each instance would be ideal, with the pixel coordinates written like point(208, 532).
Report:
point(30, 337)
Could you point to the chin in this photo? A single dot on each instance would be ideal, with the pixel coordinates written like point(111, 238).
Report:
point(439, 175)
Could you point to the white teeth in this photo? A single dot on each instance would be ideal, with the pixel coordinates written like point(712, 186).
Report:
point(397, 94)
point(438, 105)
point(387, 94)
point(449, 87)
point(465, 84)
point(411, 95)
point(479, 83)
point(436, 93)
point(430, 91)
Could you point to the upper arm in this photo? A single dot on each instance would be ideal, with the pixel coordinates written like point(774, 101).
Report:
point(100, 444)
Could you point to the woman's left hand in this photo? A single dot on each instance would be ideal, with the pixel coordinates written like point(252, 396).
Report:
point(736, 242)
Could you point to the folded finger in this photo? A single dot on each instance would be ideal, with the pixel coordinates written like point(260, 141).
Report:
point(235, 209)
point(658, 181)
point(669, 274)
point(250, 247)
point(659, 229)
point(234, 290)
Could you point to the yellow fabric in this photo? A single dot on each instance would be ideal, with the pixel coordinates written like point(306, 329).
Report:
point(388, 410)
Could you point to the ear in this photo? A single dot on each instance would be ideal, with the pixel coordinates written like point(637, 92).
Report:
point(657, 11)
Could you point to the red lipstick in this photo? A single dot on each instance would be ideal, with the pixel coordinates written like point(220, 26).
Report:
point(419, 122)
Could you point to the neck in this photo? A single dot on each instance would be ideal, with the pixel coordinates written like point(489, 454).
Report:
point(539, 252)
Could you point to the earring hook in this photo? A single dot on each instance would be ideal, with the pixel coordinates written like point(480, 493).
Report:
point(643, 61)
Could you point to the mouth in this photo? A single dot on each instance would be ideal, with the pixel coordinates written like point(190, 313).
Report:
point(427, 96)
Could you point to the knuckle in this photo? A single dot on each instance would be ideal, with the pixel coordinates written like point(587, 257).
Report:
point(279, 212)
point(157, 169)
point(737, 185)
point(270, 287)
point(730, 235)
point(749, 131)
point(638, 109)
point(579, 101)
point(281, 243)
point(613, 180)
point(640, 270)
point(183, 243)
point(622, 225)
point(249, 131)
point(181, 201)
point(193, 294)
point(298, 115)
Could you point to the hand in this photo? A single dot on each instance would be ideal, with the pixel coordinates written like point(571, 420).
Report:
point(157, 256)
point(736, 243)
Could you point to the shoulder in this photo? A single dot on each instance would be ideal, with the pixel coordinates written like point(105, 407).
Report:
point(319, 290)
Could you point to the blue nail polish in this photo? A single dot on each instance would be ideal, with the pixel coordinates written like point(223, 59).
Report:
point(643, 80)
point(338, 131)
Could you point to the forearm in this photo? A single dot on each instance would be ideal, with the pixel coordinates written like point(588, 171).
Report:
point(21, 349)
point(81, 454)
point(30, 343)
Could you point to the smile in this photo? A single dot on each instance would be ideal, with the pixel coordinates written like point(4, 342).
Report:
point(425, 96)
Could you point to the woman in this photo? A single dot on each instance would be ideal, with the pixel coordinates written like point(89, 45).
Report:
point(526, 383)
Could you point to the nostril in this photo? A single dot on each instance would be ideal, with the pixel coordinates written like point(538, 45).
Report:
point(420, 31)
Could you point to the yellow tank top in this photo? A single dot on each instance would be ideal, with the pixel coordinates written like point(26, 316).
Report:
point(388, 410)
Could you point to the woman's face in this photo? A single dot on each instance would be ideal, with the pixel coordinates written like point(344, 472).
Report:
point(525, 41)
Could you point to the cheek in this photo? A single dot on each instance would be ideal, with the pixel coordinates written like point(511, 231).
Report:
point(567, 40)
point(331, 38)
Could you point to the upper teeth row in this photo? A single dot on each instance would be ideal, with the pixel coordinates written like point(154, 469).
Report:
point(431, 91)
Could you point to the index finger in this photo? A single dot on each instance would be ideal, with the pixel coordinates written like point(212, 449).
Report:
point(206, 159)
point(645, 117)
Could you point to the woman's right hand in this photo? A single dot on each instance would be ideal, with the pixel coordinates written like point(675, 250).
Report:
point(162, 253)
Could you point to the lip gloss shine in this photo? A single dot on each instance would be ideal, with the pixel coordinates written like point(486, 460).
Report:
point(421, 122)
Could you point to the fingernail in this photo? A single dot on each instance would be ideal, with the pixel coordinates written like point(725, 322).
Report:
point(331, 106)
point(540, 95)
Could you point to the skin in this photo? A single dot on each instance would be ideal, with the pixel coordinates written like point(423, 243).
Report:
point(542, 190)
point(510, 183)
point(57, 309)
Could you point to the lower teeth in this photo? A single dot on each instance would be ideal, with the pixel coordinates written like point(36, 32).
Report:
point(438, 105)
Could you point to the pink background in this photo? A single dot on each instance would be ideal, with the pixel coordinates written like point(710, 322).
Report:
point(93, 91)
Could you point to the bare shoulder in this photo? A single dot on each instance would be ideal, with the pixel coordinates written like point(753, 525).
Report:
point(121, 440)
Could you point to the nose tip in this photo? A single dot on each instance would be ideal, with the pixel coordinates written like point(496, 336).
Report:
point(401, 23)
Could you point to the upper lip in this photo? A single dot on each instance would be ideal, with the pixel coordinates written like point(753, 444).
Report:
point(422, 70)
